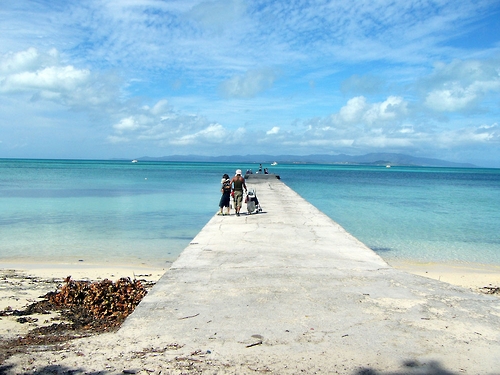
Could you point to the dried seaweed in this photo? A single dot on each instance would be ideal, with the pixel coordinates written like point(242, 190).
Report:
point(87, 307)
point(102, 300)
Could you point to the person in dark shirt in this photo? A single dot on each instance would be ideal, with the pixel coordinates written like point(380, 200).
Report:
point(238, 183)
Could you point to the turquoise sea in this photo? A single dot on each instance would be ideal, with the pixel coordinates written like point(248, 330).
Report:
point(122, 212)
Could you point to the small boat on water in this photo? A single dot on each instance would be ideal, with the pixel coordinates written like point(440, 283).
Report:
point(134, 161)
point(274, 163)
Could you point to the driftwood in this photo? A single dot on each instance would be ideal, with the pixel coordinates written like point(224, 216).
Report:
point(491, 289)
point(189, 316)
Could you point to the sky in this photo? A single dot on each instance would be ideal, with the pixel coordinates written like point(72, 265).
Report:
point(101, 79)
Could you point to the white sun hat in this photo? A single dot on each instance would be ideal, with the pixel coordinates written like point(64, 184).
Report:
point(238, 171)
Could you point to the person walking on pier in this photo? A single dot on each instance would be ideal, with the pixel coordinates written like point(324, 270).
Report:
point(225, 199)
point(238, 183)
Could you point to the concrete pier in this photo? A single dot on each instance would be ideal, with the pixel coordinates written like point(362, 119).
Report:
point(286, 291)
point(289, 291)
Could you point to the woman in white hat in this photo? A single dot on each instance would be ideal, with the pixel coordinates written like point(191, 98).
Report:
point(238, 183)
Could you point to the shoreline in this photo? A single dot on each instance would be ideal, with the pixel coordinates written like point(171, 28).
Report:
point(467, 275)
point(464, 274)
point(22, 284)
point(86, 271)
point(472, 276)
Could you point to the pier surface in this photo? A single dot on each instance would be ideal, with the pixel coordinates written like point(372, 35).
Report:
point(289, 291)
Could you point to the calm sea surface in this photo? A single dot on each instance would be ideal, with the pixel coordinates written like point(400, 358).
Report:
point(119, 212)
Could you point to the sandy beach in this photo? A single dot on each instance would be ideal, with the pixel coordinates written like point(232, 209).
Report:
point(473, 276)
point(23, 284)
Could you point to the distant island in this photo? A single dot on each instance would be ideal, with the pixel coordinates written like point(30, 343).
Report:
point(376, 159)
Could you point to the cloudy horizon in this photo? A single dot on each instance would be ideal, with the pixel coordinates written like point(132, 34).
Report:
point(102, 79)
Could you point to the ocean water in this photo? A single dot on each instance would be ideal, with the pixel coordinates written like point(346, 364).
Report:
point(419, 214)
point(120, 212)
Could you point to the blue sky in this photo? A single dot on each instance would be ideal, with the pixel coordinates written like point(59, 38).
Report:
point(98, 79)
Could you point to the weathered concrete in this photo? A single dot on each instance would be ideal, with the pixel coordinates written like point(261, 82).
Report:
point(289, 291)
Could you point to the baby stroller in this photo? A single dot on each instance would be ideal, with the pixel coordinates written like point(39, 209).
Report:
point(253, 206)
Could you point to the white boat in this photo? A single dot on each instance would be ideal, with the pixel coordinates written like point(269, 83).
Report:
point(274, 163)
point(134, 161)
point(388, 166)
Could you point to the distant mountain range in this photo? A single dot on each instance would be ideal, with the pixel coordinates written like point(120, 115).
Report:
point(368, 159)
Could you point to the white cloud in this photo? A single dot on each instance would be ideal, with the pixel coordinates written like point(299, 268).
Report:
point(160, 107)
point(274, 130)
point(450, 100)
point(249, 85)
point(354, 110)
point(42, 76)
point(31, 70)
point(358, 110)
point(28, 60)
point(408, 129)
point(126, 125)
point(482, 135)
point(461, 85)
point(55, 79)
point(214, 133)
point(389, 110)
point(162, 127)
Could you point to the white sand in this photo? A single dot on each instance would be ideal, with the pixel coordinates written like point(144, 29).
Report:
point(473, 276)
point(85, 271)
point(18, 290)
point(24, 284)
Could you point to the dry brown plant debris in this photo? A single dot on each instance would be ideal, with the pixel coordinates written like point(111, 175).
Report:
point(89, 307)
point(103, 300)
